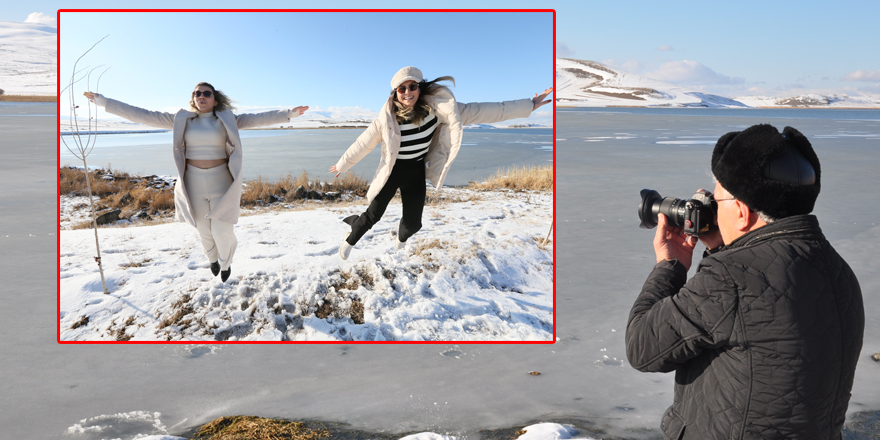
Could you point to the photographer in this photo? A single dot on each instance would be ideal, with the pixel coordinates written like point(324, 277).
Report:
point(765, 337)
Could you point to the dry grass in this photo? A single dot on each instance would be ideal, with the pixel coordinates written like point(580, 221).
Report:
point(531, 177)
point(28, 98)
point(254, 428)
point(428, 244)
point(134, 194)
point(128, 193)
point(258, 192)
point(83, 320)
point(357, 311)
point(183, 308)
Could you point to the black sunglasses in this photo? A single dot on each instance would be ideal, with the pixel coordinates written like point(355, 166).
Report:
point(199, 93)
point(412, 88)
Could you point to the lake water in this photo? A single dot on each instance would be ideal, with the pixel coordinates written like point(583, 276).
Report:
point(276, 153)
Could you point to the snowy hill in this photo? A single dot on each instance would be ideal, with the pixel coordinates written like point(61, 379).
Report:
point(581, 83)
point(27, 58)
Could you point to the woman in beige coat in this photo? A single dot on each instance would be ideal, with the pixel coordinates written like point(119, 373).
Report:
point(420, 130)
point(208, 155)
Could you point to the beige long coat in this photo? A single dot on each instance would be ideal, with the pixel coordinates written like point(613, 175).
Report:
point(452, 117)
point(228, 207)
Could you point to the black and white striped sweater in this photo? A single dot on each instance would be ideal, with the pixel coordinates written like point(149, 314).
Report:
point(414, 139)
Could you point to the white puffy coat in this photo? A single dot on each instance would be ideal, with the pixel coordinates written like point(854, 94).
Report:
point(228, 208)
point(452, 117)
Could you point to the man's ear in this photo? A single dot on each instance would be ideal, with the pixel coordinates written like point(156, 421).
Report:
point(745, 217)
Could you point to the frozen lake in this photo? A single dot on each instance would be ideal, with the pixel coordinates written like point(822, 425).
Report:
point(277, 153)
point(603, 160)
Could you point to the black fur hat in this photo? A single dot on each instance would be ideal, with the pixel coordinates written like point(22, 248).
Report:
point(771, 172)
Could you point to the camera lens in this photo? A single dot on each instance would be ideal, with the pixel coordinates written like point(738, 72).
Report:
point(652, 204)
point(695, 215)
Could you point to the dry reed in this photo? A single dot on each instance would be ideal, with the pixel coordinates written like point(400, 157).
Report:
point(530, 177)
point(258, 191)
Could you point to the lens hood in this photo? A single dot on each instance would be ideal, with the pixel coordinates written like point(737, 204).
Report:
point(646, 215)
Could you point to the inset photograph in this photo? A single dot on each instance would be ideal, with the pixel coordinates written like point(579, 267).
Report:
point(293, 176)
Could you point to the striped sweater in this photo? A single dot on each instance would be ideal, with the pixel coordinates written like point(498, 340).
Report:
point(415, 139)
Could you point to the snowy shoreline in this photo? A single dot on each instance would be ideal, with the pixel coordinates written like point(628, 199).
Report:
point(475, 272)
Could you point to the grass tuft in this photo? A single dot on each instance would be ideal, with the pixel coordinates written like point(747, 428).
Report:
point(83, 320)
point(259, 192)
point(183, 308)
point(252, 428)
point(535, 178)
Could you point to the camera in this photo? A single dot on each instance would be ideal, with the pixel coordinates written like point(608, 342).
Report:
point(696, 215)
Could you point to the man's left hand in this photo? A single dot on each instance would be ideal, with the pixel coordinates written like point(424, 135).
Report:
point(671, 243)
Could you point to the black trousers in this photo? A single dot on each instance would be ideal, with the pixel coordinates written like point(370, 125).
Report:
point(409, 176)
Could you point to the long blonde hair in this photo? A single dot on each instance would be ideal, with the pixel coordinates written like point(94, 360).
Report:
point(223, 101)
point(420, 110)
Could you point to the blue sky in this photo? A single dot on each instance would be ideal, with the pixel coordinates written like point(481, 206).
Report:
point(730, 48)
point(326, 59)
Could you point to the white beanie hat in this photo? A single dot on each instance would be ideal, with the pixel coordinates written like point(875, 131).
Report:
point(408, 73)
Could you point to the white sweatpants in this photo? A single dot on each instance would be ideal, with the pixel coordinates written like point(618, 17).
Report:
point(204, 188)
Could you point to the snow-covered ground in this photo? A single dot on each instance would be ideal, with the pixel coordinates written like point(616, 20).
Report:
point(475, 272)
point(27, 58)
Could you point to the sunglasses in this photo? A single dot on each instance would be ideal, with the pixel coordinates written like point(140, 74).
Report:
point(199, 93)
point(412, 88)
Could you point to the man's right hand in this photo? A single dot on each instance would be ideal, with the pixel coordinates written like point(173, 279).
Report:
point(671, 243)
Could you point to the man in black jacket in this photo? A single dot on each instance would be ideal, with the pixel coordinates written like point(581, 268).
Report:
point(765, 337)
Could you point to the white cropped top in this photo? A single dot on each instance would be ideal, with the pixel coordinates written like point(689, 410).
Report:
point(205, 137)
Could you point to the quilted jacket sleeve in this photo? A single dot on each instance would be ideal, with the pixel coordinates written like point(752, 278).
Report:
point(673, 321)
point(489, 112)
point(361, 147)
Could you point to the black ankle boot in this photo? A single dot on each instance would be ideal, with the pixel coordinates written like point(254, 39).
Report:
point(225, 274)
point(215, 268)
point(350, 219)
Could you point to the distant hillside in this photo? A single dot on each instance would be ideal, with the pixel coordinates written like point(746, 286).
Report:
point(813, 101)
point(582, 83)
point(27, 58)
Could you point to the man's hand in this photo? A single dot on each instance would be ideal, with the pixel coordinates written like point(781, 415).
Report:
point(671, 243)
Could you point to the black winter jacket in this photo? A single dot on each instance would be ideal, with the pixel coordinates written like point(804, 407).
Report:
point(764, 339)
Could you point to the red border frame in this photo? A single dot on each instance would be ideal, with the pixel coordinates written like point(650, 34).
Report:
point(58, 176)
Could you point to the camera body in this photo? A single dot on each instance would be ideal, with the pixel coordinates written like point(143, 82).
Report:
point(696, 215)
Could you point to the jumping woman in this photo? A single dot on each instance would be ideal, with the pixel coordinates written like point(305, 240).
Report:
point(207, 152)
point(420, 129)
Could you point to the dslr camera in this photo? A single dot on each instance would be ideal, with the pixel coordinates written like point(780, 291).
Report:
point(696, 215)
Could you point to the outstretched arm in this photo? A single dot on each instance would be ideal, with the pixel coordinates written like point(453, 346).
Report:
point(132, 113)
point(489, 112)
point(249, 120)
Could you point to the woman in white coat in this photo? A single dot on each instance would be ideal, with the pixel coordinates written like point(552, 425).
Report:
point(420, 129)
point(208, 155)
